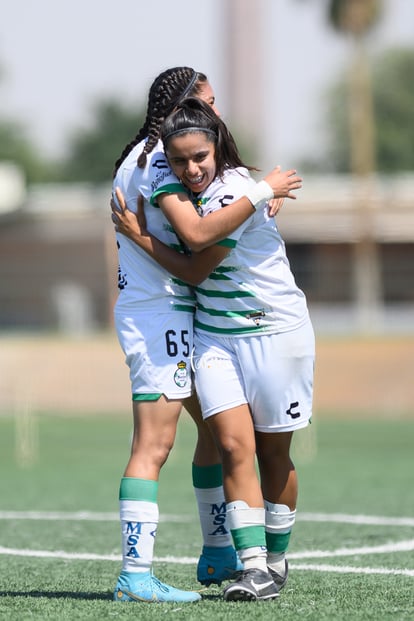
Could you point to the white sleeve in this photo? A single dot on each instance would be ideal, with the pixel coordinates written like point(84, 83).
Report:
point(221, 193)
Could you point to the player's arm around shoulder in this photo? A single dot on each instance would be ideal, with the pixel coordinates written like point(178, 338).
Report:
point(217, 224)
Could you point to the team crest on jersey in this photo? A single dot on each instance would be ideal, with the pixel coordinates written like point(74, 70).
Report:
point(181, 374)
point(256, 317)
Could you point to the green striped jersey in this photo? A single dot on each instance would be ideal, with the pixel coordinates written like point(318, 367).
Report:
point(253, 290)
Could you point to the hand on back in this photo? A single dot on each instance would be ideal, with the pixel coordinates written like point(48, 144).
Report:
point(126, 222)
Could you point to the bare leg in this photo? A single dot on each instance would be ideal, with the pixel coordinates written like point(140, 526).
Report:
point(280, 490)
point(277, 472)
point(233, 430)
point(206, 452)
point(155, 424)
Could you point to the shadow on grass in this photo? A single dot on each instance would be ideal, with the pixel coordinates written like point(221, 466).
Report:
point(212, 597)
point(84, 596)
point(57, 595)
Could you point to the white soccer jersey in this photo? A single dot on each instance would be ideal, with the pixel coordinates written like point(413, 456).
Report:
point(253, 290)
point(148, 286)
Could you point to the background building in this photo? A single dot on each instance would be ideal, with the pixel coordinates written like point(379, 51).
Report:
point(270, 62)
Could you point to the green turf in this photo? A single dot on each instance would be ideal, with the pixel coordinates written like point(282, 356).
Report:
point(74, 464)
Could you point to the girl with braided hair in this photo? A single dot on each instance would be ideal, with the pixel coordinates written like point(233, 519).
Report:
point(154, 322)
point(254, 345)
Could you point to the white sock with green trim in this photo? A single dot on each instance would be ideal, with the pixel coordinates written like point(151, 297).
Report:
point(279, 523)
point(247, 525)
point(208, 489)
point(139, 515)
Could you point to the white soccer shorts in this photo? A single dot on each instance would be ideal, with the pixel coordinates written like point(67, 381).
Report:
point(272, 373)
point(157, 349)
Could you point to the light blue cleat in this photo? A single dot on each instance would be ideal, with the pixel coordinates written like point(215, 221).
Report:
point(144, 587)
point(218, 564)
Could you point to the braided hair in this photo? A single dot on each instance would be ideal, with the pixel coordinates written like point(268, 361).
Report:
point(166, 91)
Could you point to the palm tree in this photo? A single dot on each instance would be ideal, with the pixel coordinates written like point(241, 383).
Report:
point(356, 18)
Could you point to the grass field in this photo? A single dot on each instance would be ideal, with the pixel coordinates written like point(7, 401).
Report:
point(351, 553)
